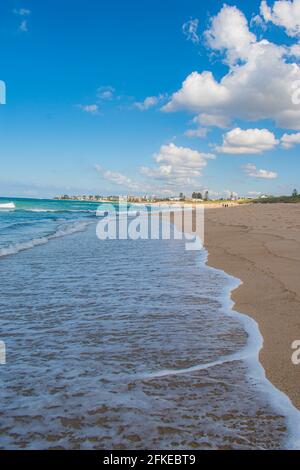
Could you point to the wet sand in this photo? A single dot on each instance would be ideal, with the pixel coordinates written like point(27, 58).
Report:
point(260, 244)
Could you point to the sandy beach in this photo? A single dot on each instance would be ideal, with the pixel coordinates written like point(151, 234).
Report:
point(259, 244)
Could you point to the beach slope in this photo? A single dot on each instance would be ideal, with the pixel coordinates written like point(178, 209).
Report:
point(260, 244)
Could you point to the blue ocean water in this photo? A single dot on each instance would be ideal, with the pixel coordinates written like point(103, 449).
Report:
point(124, 344)
point(33, 221)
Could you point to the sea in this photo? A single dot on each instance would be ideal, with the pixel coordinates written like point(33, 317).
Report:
point(125, 344)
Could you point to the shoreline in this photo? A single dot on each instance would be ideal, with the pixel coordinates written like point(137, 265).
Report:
point(283, 399)
point(250, 353)
point(233, 238)
point(258, 245)
point(212, 389)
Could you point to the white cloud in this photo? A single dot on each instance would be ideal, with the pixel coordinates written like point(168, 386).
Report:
point(148, 102)
point(190, 30)
point(177, 167)
point(258, 85)
point(199, 90)
point(265, 11)
point(295, 50)
point(89, 108)
point(257, 21)
point(283, 13)
point(22, 11)
point(216, 120)
point(248, 141)
point(229, 33)
point(251, 170)
point(119, 179)
point(24, 23)
point(105, 92)
point(289, 140)
point(200, 132)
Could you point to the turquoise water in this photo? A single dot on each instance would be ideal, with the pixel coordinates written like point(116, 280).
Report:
point(35, 221)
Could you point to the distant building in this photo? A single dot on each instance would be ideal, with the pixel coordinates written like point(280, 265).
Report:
point(197, 196)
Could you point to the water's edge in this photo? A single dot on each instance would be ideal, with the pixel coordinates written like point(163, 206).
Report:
point(250, 354)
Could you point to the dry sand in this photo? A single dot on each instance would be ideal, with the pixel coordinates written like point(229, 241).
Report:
point(260, 244)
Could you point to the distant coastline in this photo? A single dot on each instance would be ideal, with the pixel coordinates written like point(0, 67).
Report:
point(195, 198)
point(148, 199)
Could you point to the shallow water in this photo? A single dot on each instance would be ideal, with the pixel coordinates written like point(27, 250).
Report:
point(109, 345)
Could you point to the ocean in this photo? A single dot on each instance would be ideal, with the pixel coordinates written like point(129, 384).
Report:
point(125, 344)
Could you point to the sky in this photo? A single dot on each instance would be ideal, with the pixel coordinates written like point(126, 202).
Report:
point(149, 97)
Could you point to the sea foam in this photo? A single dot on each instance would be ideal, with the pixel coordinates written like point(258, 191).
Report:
point(62, 231)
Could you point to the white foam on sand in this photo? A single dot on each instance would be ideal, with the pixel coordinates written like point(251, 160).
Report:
point(60, 232)
point(279, 401)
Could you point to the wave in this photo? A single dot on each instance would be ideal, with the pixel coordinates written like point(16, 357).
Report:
point(60, 232)
point(16, 225)
point(7, 206)
point(60, 210)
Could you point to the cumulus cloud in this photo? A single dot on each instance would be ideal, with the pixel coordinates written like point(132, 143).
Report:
point(105, 92)
point(89, 108)
point(200, 132)
point(215, 120)
point(190, 30)
point(119, 179)
point(199, 91)
point(283, 13)
point(251, 170)
point(229, 33)
point(258, 85)
point(177, 167)
point(248, 141)
point(289, 140)
point(295, 50)
point(148, 102)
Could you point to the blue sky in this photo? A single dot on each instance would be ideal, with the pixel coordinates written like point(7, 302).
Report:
point(90, 105)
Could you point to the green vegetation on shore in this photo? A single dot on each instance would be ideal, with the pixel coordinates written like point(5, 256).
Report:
point(294, 198)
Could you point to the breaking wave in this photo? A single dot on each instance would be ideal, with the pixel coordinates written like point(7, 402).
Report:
point(62, 231)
